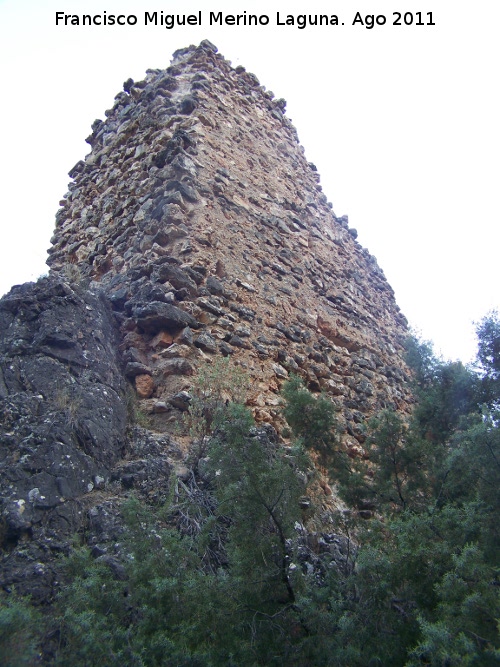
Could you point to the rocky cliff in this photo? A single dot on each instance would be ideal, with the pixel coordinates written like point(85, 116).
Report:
point(195, 229)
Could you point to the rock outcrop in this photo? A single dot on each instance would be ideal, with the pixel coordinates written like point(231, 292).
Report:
point(195, 229)
point(68, 446)
point(62, 420)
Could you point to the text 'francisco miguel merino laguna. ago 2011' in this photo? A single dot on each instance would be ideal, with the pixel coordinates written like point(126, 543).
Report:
point(300, 21)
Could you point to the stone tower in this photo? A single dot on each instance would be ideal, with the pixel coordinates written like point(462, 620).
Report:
point(195, 229)
point(199, 216)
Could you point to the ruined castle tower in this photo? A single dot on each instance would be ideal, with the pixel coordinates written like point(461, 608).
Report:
point(199, 216)
point(194, 230)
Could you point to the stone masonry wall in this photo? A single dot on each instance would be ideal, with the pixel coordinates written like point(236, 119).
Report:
point(198, 214)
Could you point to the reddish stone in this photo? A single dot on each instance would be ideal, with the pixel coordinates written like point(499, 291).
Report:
point(144, 386)
point(162, 340)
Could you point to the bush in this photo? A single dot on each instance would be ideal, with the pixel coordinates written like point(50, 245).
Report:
point(20, 632)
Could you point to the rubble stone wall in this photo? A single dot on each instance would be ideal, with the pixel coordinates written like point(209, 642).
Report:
point(198, 214)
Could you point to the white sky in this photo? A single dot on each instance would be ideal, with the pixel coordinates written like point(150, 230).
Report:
point(402, 123)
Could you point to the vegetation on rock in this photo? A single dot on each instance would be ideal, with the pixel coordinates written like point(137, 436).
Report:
point(220, 575)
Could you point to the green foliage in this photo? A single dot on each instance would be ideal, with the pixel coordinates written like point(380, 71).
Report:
point(421, 359)
point(19, 627)
point(175, 607)
point(314, 427)
point(392, 459)
point(446, 392)
point(468, 597)
point(68, 403)
point(141, 418)
point(260, 491)
point(218, 577)
point(425, 587)
point(488, 356)
point(150, 618)
point(312, 419)
point(216, 386)
point(433, 557)
point(488, 333)
point(439, 646)
point(464, 629)
point(136, 415)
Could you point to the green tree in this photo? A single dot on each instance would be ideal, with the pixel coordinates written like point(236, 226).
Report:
point(216, 385)
point(218, 576)
point(488, 357)
point(21, 630)
point(425, 584)
point(311, 419)
point(260, 491)
point(399, 466)
point(172, 606)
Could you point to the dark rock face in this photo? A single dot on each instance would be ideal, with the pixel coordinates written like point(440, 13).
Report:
point(63, 420)
point(158, 316)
